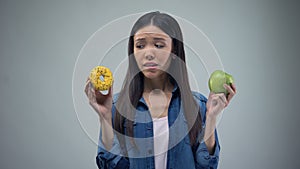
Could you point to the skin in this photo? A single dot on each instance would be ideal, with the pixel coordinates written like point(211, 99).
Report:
point(152, 45)
point(215, 104)
point(152, 49)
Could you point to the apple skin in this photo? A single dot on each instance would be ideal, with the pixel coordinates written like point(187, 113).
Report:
point(217, 79)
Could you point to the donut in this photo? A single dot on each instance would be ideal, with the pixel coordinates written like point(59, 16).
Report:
point(101, 78)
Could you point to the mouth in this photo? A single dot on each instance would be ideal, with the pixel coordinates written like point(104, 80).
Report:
point(150, 65)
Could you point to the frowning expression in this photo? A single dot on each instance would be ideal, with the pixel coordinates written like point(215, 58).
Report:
point(152, 48)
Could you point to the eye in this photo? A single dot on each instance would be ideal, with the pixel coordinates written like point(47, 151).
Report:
point(159, 45)
point(139, 46)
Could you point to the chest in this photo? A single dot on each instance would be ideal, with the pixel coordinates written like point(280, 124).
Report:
point(158, 103)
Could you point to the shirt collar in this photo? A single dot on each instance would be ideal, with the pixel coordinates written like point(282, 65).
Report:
point(175, 89)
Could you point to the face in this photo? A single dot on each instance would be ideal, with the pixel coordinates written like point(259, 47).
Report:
point(152, 48)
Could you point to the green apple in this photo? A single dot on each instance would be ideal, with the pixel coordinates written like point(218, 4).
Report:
point(217, 79)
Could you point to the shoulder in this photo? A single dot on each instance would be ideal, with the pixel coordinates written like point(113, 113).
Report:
point(199, 97)
point(201, 100)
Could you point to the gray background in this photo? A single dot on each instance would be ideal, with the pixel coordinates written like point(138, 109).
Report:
point(258, 42)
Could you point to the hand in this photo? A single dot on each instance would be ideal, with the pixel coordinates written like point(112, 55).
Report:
point(217, 102)
point(102, 104)
point(231, 91)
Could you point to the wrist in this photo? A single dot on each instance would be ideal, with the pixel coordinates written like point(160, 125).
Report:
point(105, 119)
point(105, 115)
point(210, 116)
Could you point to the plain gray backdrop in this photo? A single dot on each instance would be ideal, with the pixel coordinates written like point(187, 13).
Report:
point(257, 40)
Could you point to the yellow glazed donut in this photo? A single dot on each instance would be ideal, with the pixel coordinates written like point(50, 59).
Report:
point(97, 81)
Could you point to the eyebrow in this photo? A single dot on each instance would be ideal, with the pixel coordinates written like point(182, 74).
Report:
point(156, 39)
point(163, 39)
point(140, 39)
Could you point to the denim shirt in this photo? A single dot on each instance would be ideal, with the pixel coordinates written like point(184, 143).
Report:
point(180, 153)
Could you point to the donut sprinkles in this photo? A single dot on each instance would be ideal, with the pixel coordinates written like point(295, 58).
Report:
point(101, 78)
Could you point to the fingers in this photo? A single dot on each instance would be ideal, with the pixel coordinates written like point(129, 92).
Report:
point(231, 91)
point(218, 98)
point(111, 90)
point(91, 95)
point(233, 87)
point(87, 85)
point(90, 92)
point(96, 96)
point(223, 98)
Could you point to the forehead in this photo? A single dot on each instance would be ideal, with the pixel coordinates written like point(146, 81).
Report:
point(151, 32)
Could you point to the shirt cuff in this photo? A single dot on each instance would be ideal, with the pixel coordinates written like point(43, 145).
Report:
point(110, 159)
point(205, 159)
point(203, 148)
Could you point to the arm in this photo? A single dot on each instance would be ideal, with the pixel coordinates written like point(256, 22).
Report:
point(214, 106)
point(206, 159)
point(106, 134)
point(109, 154)
point(207, 153)
point(110, 159)
point(209, 136)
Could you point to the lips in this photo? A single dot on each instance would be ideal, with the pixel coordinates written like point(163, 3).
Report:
point(150, 64)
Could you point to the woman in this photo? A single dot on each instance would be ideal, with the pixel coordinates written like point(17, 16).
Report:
point(156, 121)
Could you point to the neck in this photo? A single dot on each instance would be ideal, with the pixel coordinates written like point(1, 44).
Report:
point(163, 83)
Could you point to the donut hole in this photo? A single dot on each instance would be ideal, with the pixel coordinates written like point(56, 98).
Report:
point(104, 92)
point(101, 78)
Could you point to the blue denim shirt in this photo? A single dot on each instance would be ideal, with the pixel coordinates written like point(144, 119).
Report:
point(180, 153)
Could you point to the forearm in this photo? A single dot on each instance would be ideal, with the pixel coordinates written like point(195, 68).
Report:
point(207, 154)
point(107, 134)
point(109, 151)
point(209, 136)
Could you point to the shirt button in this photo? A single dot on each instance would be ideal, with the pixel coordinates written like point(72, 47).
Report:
point(150, 151)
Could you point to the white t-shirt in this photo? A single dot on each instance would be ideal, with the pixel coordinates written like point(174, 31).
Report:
point(161, 141)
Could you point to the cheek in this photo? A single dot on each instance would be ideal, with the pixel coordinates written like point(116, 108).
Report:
point(138, 59)
point(137, 53)
point(164, 57)
point(168, 62)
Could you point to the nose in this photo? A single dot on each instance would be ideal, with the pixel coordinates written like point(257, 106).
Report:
point(149, 54)
point(149, 57)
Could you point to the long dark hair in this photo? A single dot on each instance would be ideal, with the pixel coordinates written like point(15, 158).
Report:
point(133, 85)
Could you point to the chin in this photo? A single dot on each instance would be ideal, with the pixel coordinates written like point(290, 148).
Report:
point(152, 75)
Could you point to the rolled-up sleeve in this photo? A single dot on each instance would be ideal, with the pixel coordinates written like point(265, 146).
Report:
point(204, 160)
point(111, 159)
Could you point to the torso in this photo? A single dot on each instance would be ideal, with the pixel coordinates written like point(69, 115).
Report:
point(158, 102)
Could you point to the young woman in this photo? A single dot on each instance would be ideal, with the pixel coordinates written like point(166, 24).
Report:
point(156, 121)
